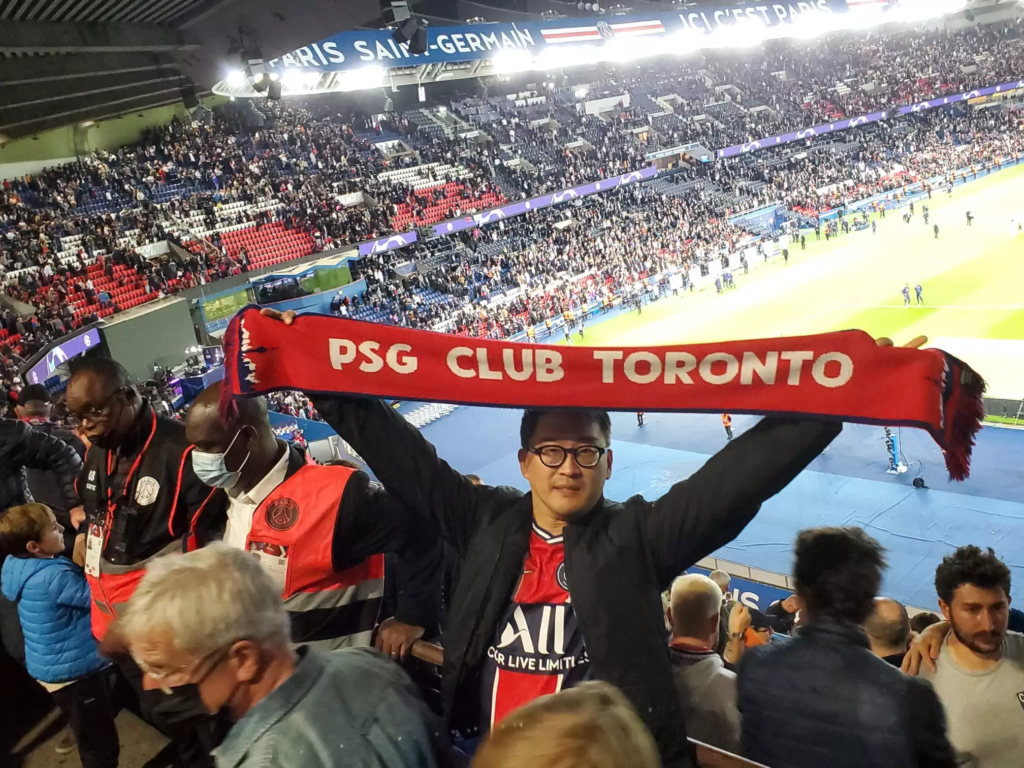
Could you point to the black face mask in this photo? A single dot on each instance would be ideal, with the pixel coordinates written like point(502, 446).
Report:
point(182, 704)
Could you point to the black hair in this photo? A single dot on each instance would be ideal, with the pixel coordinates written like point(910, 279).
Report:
point(33, 393)
point(106, 368)
point(838, 572)
point(921, 621)
point(970, 565)
point(532, 417)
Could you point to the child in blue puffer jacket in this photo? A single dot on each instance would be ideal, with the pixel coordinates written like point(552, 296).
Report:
point(53, 604)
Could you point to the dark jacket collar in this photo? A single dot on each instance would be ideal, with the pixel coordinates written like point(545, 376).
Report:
point(296, 459)
point(828, 630)
point(139, 432)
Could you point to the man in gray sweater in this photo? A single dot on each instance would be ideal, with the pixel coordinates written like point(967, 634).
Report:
point(706, 688)
point(979, 674)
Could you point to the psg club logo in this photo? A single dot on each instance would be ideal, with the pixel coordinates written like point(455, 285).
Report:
point(605, 29)
point(282, 514)
point(560, 577)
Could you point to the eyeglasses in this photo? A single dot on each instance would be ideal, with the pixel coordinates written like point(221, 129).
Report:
point(553, 456)
point(168, 678)
point(96, 414)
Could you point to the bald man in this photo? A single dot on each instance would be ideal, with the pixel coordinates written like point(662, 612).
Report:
point(707, 690)
point(888, 631)
point(320, 532)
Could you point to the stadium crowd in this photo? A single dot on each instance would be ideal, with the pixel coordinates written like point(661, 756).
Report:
point(510, 276)
point(288, 168)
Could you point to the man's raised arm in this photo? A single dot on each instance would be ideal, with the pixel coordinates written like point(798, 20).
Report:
point(403, 461)
point(707, 511)
point(407, 465)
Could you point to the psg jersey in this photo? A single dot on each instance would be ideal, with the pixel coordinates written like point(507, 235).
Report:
point(538, 648)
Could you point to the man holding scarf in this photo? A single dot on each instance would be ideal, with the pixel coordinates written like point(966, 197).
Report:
point(561, 585)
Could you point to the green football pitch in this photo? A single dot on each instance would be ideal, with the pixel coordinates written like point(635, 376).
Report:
point(973, 280)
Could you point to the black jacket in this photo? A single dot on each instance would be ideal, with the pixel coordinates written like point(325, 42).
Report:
point(21, 448)
point(823, 699)
point(148, 493)
point(618, 557)
point(45, 484)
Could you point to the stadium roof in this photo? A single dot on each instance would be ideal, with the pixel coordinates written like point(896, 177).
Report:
point(367, 59)
point(64, 62)
point(70, 61)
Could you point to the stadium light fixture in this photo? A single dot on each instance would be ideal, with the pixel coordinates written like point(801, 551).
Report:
point(686, 42)
point(275, 76)
point(911, 11)
point(292, 80)
point(624, 49)
point(361, 79)
point(746, 33)
point(554, 58)
point(510, 61)
point(236, 78)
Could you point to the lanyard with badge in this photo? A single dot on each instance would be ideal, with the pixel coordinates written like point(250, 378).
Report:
point(99, 533)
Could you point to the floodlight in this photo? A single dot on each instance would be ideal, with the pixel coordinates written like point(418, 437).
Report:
point(511, 60)
point(291, 79)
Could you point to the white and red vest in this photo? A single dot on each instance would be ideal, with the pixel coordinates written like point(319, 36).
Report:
point(292, 534)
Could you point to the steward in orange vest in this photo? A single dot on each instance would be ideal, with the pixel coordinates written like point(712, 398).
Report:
point(320, 532)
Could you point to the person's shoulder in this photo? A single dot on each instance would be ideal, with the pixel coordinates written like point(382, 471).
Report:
point(59, 572)
point(768, 655)
point(171, 429)
point(13, 428)
point(1015, 646)
point(355, 664)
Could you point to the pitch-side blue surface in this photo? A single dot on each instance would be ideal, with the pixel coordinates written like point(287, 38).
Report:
point(845, 486)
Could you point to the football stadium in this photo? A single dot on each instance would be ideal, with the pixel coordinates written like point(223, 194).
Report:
point(498, 383)
point(968, 275)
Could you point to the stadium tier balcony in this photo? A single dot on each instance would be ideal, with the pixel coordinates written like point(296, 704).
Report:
point(456, 199)
point(125, 289)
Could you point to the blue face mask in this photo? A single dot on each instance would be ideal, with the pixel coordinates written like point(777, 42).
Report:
point(211, 469)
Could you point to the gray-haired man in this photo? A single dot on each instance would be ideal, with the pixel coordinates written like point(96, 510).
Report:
point(210, 629)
